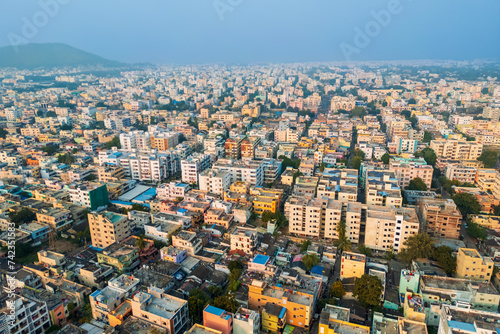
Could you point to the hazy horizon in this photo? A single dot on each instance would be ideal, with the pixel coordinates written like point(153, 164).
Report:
point(258, 31)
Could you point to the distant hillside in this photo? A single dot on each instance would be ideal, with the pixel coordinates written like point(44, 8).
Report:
point(50, 55)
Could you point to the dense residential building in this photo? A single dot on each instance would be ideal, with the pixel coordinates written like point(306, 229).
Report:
point(382, 189)
point(472, 265)
point(91, 195)
point(460, 173)
point(407, 170)
point(352, 265)
point(107, 228)
point(244, 239)
point(455, 149)
point(214, 181)
point(440, 217)
point(193, 166)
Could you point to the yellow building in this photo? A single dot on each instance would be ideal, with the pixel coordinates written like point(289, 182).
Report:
point(117, 316)
point(264, 203)
point(250, 111)
point(299, 304)
point(353, 265)
point(240, 187)
point(414, 307)
point(471, 265)
point(489, 222)
point(335, 320)
point(273, 318)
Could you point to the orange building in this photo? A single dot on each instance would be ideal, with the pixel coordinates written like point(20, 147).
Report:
point(218, 319)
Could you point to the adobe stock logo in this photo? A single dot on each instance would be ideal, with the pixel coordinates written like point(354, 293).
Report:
point(223, 6)
point(31, 26)
point(372, 29)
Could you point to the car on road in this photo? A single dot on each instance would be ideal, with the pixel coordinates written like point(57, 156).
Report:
point(466, 226)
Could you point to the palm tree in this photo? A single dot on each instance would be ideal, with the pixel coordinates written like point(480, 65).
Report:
point(343, 244)
point(141, 243)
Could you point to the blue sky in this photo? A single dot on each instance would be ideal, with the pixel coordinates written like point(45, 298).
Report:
point(191, 31)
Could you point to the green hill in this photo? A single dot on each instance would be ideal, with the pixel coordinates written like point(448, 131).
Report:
point(50, 55)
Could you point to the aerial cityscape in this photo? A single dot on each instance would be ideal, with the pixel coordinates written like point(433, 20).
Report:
point(351, 196)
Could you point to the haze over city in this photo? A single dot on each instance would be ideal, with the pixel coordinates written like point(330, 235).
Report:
point(252, 31)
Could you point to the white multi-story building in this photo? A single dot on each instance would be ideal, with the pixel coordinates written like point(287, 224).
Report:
point(214, 181)
point(172, 190)
point(13, 113)
point(251, 171)
point(142, 166)
point(193, 166)
point(30, 316)
point(458, 150)
point(91, 195)
point(244, 239)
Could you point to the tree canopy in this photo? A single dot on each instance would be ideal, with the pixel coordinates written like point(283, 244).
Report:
point(489, 158)
point(417, 246)
point(368, 290)
point(467, 204)
point(476, 231)
point(115, 142)
point(443, 255)
point(22, 216)
point(428, 154)
point(337, 289)
point(417, 184)
point(385, 158)
point(310, 260)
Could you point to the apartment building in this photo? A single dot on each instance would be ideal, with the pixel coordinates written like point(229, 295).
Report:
point(244, 239)
point(382, 188)
point(193, 166)
point(103, 302)
point(352, 265)
point(406, 170)
point(440, 217)
point(299, 303)
point(110, 173)
point(248, 147)
point(388, 228)
point(57, 219)
point(218, 217)
point(272, 169)
point(159, 308)
point(232, 148)
point(107, 228)
point(139, 166)
point(246, 321)
point(464, 320)
point(338, 184)
point(30, 316)
point(172, 190)
point(91, 195)
point(335, 320)
point(123, 257)
point(473, 266)
point(187, 240)
point(455, 149)
point(460, 173)
point(214, 181)
point(163, 141)
point(251, 171)
point(135, 140)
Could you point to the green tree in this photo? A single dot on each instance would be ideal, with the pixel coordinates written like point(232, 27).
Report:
point(356, 162)
point(115, 142)
point(267, 216)
point(467, 204)
point(227, 303)
point(443, 255)
point(310, 260)
point(65, 158)
point(358, 112)
point(3, 133)
point(337, 289)
point(305, 245)
point(139, 207)
point(417, 246)
point(22, 216)
point(496, 210)
point(232, 265)
point(343, 243)
point(385, 158)
point(417, 184)
point(427, 137)
point(197, 302)
point(489, 158)
point(368, 289)
point(412, 101)
point(141, 243)
point(362, 249)
point(428, 154)
point(476, 231)
point(49, 149)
